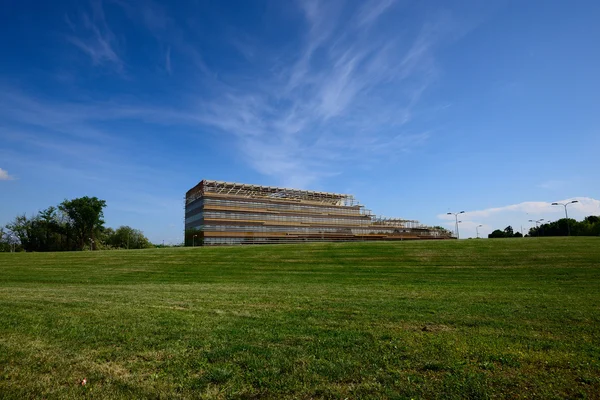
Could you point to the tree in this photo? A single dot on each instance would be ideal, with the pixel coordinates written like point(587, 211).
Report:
point(4, 242)
point(70, 226)
point(85, 218)
point(509, 232)
point(496, 234)
point(125, 237)
point(50, 229)
point(22, 229)
point(41, 232)
point(592, 219)
point(590, 226)
point(104, 238)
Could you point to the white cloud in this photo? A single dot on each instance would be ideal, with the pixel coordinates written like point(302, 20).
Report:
point(92, 35)
point(168, 33)
point(344, 98)
point(583, 205)
point(518, 215)
point(4, 176)
point(371, 10)
point(323, 107)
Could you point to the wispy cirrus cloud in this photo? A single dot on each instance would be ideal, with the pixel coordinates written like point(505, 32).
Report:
point(370, 11)
point(343, 96)
point(169, 33)
point(91, 34)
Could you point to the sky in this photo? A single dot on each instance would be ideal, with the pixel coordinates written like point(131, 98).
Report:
point(417, 108)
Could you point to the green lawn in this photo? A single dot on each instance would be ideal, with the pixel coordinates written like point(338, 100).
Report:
point(505, 318)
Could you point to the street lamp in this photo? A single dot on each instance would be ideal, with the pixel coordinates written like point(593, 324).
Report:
point(566, 215)
point(456, 223)
point(477, 230)
point(194, 241)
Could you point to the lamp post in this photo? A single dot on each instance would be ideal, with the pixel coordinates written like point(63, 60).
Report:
point(566, 215)
point(536, 224)
point(456, 223)
point(194, 241)
point(477, 230)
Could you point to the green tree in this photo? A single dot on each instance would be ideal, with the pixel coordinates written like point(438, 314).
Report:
point(49, 225)
point(85, 216)
point(125, 237)
point(496, 234)
point(22, 228)
point(4, 243)
point(590, 226)
point(592, 219)
point(38, 233)
point(104, 238)
point(508, 232)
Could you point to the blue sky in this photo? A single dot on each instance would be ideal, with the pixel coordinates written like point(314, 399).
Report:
point(415, 107)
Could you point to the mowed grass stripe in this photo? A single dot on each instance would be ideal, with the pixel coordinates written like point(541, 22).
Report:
point(469, 319)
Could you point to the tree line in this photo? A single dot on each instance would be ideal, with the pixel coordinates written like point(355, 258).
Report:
point(76, 224)
point(508, 232)
point(590, 226)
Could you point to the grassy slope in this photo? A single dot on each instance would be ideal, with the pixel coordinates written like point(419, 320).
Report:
point(488, 318)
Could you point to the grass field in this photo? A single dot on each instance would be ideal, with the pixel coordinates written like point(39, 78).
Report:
point(506, 318)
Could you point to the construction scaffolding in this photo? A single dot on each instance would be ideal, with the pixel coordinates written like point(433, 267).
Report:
point(225, 213)
point(271, 192)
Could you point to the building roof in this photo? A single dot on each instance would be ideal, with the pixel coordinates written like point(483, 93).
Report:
point(271, 192)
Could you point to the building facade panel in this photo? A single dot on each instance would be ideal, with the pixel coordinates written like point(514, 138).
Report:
point(225, 213)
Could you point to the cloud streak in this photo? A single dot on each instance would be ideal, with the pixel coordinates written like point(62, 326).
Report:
point(92, 35)
point(344, 96)
point(322, 108)
point(325, 106)
point(373, 10)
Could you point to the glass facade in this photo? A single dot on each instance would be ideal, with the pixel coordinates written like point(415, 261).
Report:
point(223, 213)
